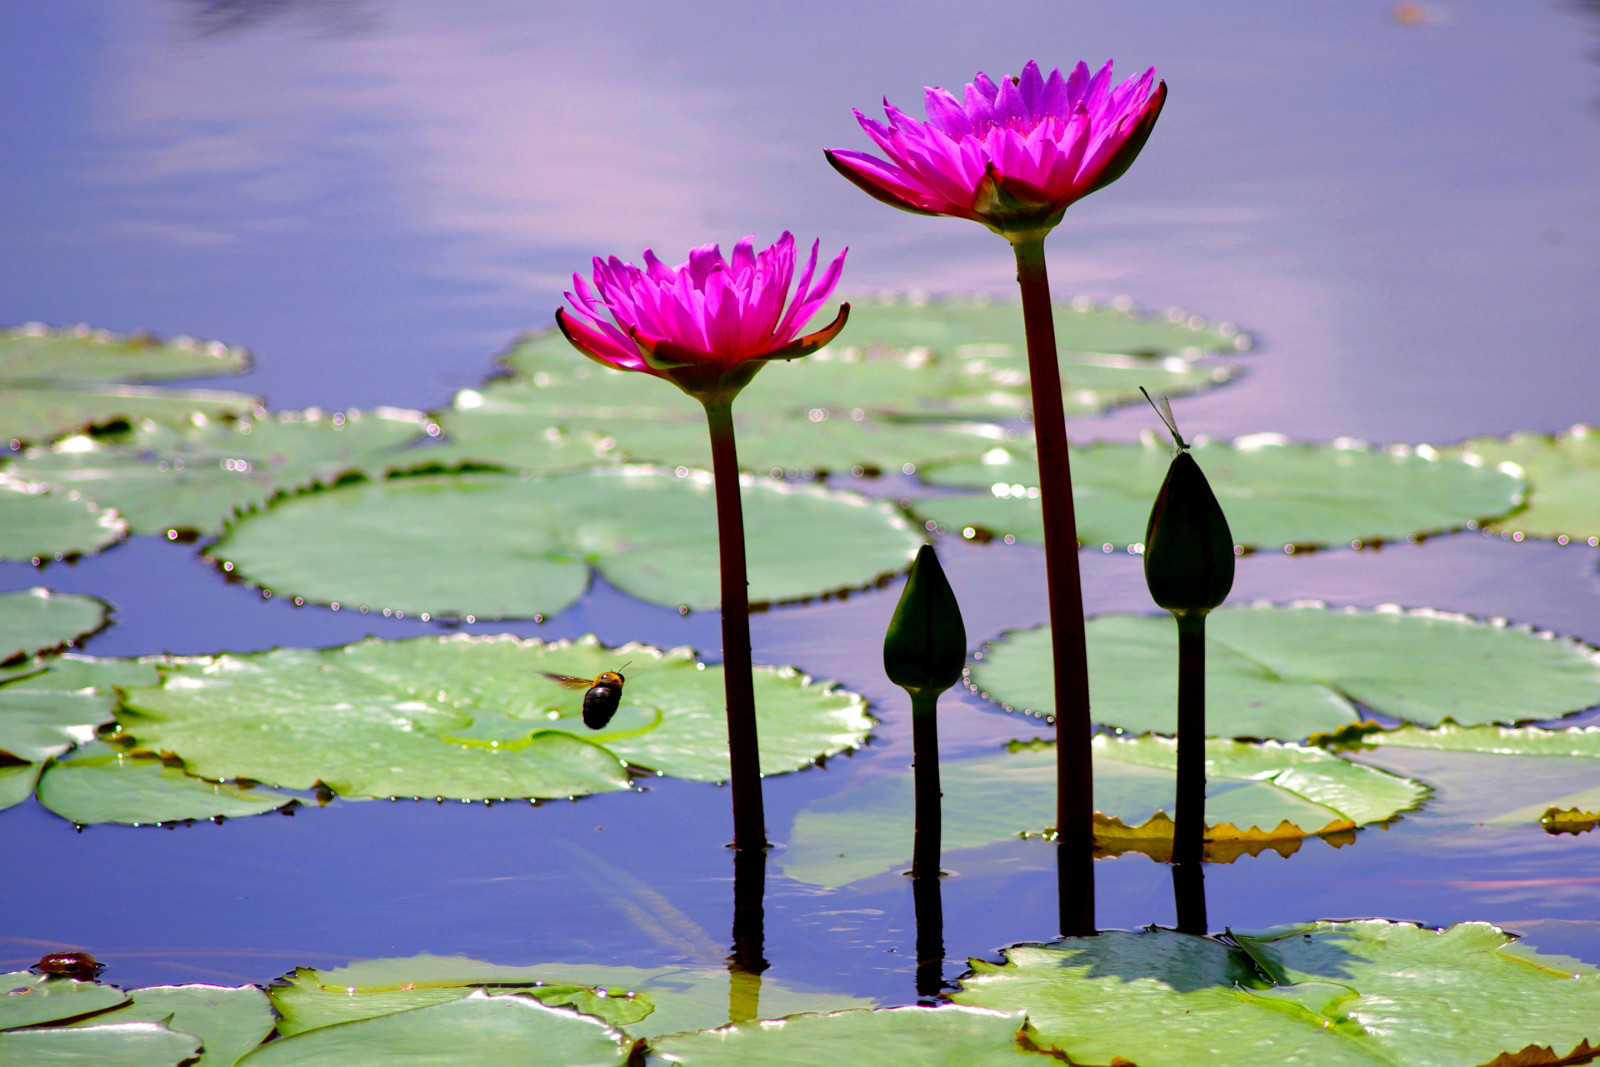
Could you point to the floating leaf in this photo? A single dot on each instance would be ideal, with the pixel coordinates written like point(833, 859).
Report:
point(1276, 493)
point(98, 784)
point(643, 1002)
point(1365, 993)
point(50, 708)
point(946, 1036)
point(478, 1030)
point(194, 477)
point(1570, 821)
point(230, 1021)
point(16, 783)
point(471, 717)
point(109, 1045)
point(40, 523)
point(1258, 796)
point(1563, 475)
point(1503, 740)
point(37, 620)
point(1291, 671)
point(28, 999)
point(501, 546)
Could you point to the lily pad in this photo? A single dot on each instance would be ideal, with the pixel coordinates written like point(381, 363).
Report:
point(46, 711)
point(191, 478)
point(471, 717)
point(28, 999)
point(643, 1002)
point(1276, 493)
point(1292, 671)
point(40, 523)
point(1365, 993)
point(37, 620)
point(54, 382)
point(935, 1037)
point(230, 1021)
point(1258, 796)
point(495, 545)
point(478, 1030)
point(17, 781)
point(137, 1044)
point(1563, 474)
point(99, 784)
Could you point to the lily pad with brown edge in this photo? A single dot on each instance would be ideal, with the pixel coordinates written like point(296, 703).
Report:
point(188, 479)
point(1563, 472)
point(1291, 671)
point(101, 784)
point(39, 523)
point(37, 620)
point(1265, 796)
point(642, 1002)
point(471, 717)
point(1353, 994)
point(944, 1036)
point(496, 545)
point(55, 382)
point(1277, 493)
point(48, 706)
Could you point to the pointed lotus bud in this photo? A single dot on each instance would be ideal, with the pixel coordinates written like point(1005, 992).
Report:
point(926, 644)
point(1188, 549)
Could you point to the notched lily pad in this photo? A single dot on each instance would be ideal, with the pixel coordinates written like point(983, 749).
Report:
point(49, 706)
point(39, 523)
point(492, 545)
point(1301, 669)
point(1563, 474)
point(1277, 494)
point(101, 784)
point(37, 620)
point(1368, 993)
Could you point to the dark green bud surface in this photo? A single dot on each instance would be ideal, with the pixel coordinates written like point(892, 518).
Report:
point(926, 644)
point(1188, 549)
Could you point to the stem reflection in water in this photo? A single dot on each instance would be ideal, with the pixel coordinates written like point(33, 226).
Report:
point(748, 958)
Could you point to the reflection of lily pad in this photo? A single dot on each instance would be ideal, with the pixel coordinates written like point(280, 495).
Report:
point(1365, 994)
point(1276, 493)
point(40, 523)
point(499, 545)
point(37, 620)
point(1258, 797)
point(193, 477)
point(1563, 482)
point(53, 382)
point(49, 708)
point(470, 717)
point(98, 784)
point(1289, 672)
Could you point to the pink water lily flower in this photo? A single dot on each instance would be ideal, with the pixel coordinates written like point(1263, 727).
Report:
point(1011, 156)
point(707, 324)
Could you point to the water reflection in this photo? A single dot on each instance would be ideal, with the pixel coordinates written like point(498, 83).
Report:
point(748, 959)
point(218, 18)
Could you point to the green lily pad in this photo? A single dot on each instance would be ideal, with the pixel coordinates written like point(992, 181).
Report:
point(478, 1029)
point(1563, 474)
point(1276, 493)
point(229, 1020)
point(1292, 671)
point(643, 1002)
point(61, 702)
point(192, 478)
point(54, 382)
point(471, 717)
point(28, 999)
point(111, 1045)
point(98, 784)
point(1365, 993)
point(17, 781)
point(494, 545)
point(936, 1037)
point(40, 523)
point(1257, 796)
point(37, 620)
point(1501, 740)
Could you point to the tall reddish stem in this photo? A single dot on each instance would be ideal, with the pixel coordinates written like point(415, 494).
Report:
point(749, 816)
point(1188, 843)
point(1074, 769)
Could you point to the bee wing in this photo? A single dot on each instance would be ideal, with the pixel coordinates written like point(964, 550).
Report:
point(568, 680)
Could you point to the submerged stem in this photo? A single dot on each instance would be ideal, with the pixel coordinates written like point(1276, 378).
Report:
point(1188, 842)
point(1074, 768)
point(749, 817)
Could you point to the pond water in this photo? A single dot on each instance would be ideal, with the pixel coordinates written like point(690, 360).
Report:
point(375, 197)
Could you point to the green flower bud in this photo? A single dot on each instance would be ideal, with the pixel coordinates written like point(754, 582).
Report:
point(925, 646)
point(1188, 549)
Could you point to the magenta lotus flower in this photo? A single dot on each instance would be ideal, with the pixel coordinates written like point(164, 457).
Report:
point(708, 324)
point(1012, 156)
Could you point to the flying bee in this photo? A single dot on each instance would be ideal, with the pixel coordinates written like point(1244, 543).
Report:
point(603, 696)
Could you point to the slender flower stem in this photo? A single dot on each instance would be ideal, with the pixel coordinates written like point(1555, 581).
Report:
point(1074, 768)
point(1189, 890)
point(749, 816)
point(925, 892)
point(1188, 844)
